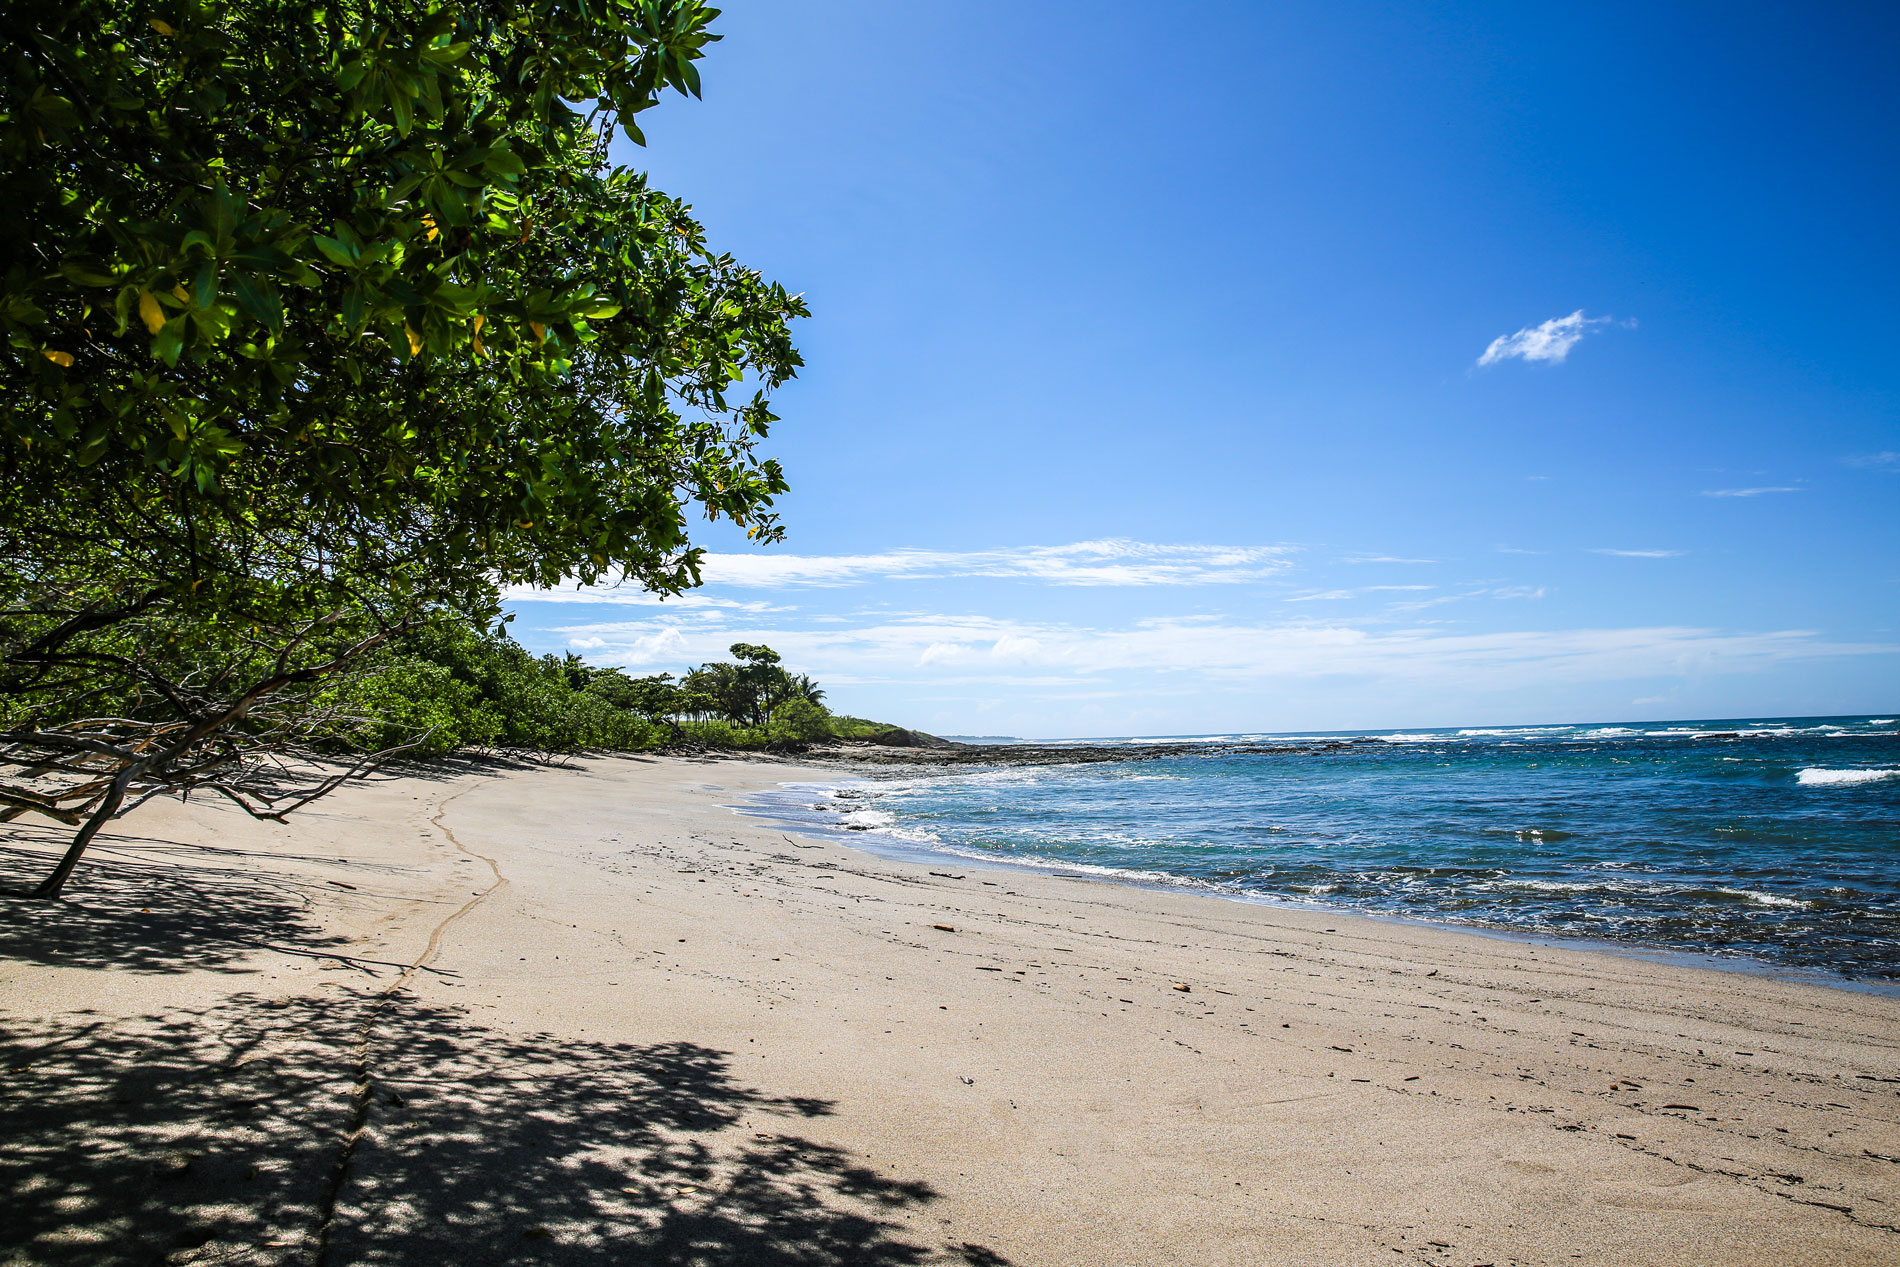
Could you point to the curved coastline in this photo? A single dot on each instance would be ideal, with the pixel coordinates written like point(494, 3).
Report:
point(791, 807)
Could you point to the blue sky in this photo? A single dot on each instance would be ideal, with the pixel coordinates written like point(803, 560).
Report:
point(1307, 366)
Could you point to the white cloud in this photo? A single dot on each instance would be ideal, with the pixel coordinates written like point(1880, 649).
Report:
point(1888, 461)
point(695, 602)
point(978, 649)
point(1548, 341)
point(1643, 554)
point(1746, 492)
point(1112, 562)
point(1319, 595)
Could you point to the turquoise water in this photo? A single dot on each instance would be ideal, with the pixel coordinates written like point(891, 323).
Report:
point(1773, 841)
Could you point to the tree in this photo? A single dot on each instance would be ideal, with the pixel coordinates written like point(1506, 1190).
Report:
point(798, 722)
point(323, 323)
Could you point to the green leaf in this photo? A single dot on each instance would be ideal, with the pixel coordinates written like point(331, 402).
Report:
point(259, 300)
point(504, 163)
point(86, 273)
point(170, 341)
point(204, 290)
point(334, 251)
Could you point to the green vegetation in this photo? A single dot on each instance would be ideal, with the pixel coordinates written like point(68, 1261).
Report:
point(442, 690)
point(322, 323)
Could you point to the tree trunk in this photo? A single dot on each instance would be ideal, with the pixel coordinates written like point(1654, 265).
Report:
point(115, 797)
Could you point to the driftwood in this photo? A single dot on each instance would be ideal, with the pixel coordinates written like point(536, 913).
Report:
point(253, 724)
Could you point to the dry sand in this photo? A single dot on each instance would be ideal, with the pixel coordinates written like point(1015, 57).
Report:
point(588, 1015)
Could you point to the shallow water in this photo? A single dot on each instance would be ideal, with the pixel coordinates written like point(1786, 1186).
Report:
point(1777, 841)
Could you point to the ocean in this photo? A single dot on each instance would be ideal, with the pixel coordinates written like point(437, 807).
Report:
point(1766, 843)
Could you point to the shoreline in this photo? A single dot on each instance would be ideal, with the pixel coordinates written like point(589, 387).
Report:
point(590, 1013)
point(900, 849)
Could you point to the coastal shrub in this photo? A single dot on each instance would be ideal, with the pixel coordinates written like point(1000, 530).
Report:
point(723, 734)
point(415, 704)
point(798, 722)
point(842, 727)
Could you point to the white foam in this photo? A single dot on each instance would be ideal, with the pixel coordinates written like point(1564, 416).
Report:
point(1815, 777)
point(1410, 738)
point(1764, 899)
point(1881, 721)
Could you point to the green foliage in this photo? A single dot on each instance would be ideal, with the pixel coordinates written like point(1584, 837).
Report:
point(515, 700)
point(723, 734)
point(798, 722)
point(265, 256)
point(409, 700)
point(319, 308)
point(842, 727)
point(747, 692)
point(318, 325)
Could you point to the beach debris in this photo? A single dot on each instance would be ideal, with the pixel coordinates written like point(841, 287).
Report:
point(1347, 1050)
point(1687, 1108)
point(984, 968)
point(1182, 987)
point(943, 928)
point(339, 884)
point(968, 1082)
point(946, 875)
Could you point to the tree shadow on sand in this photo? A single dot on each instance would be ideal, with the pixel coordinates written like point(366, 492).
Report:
point(366, 1129)
point(147, 905)
point(155, 905)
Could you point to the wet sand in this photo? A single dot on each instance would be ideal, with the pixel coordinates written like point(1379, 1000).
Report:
point(587, 1014)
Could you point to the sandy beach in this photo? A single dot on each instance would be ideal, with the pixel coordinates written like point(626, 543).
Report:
point(588, 1014)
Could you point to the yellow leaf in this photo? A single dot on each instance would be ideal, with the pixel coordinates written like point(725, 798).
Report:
point(429, 223)
point(181, 294)
point(415, 340)
point(150, 312)
point(163, 28)
point(540, 331)
point(61, 359)
point(480, 321)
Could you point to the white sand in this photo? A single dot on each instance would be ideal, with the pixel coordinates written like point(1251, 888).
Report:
point(588, 1015)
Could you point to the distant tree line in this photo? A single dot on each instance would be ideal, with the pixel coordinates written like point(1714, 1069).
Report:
point(450, 687)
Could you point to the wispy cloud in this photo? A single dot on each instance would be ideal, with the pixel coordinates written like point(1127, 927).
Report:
point(1887, 461)
point(694, 602)
point(1384, 558)
point(928, 648)
point(1323, 595)
point(1113, 562)
point(1547, 341)
point(1643, 554)
point(1517, 550)
point(1747, 492)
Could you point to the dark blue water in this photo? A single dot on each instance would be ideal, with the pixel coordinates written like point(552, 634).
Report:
point(1776, 841)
